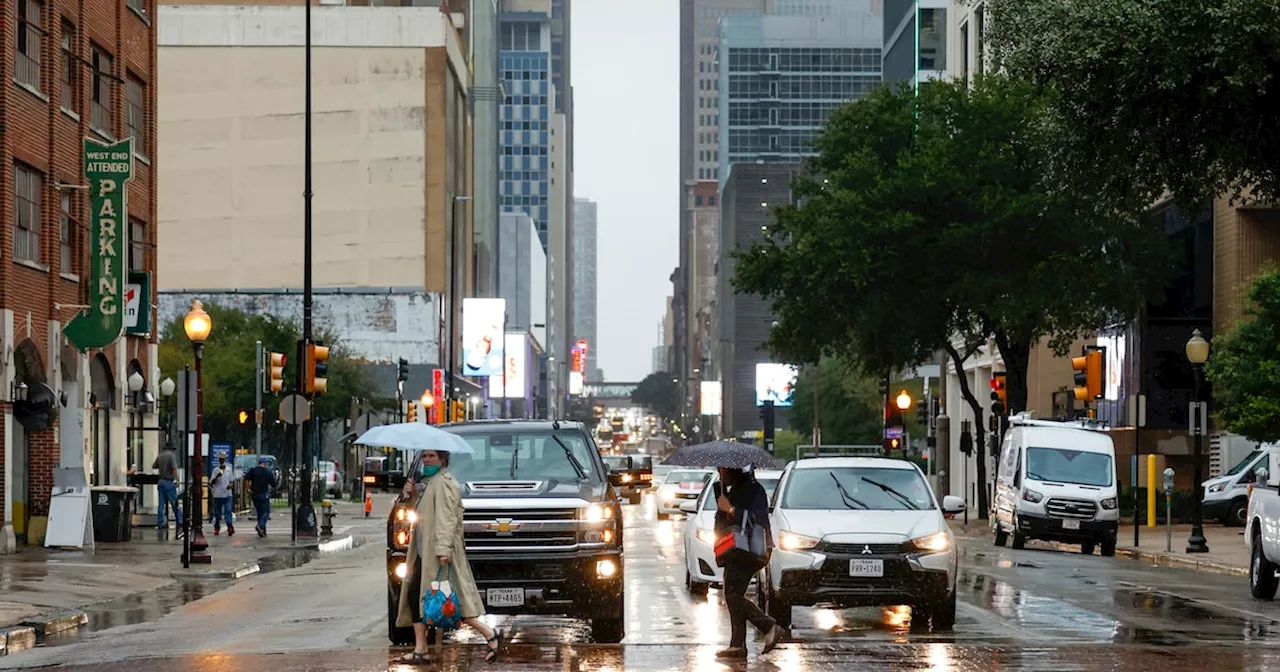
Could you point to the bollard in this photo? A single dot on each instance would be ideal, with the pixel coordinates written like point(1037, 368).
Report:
point(368, 503)
point(1151, 491)
point(326, 528)
point(1168, 509)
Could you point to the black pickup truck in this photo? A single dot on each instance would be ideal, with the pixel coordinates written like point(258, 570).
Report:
point(543, 528)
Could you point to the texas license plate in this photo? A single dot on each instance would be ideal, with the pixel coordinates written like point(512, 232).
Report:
point(506, 597)
point(861, 567)
point(1070, 524)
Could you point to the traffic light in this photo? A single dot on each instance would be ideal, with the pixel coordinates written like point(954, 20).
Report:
point(458, 411)
point(891, 445)
point(411, 415)
point(274, 380)
point(244, 416)
point(402, 370)
point(1088, 377)
point(922, 412)
point(317, 377)
point(999, 394)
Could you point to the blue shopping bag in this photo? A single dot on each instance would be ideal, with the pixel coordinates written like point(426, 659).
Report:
point(440, 604)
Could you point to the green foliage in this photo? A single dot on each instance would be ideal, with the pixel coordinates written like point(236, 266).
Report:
point(1244, 365)
point(849, 407)
point(785, 444)
point(660, 393)
point(229, 367)
point(913, 230)
point(1153, 94)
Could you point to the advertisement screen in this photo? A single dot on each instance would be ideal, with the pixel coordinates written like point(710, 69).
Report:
point(482, 324)
point(579, 361)
point(775, 382)
point(575, 383)
point(514, 351)
point(711, 397)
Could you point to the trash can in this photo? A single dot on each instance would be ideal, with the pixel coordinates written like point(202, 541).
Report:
point(112, 513)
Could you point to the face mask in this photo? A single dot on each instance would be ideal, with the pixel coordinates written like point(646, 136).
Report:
point(431, 470)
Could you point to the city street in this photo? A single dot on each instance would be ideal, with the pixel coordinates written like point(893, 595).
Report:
point(1034, 609)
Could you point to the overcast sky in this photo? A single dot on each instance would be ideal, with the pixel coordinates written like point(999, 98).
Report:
point(626, 56)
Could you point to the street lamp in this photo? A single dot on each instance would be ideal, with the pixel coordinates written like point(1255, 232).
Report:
point(903, 402)
point(167, 388)
point(1197, 354)
point(135, 418)
point(198, 325)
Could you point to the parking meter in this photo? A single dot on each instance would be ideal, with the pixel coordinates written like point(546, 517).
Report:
point(1168, 509)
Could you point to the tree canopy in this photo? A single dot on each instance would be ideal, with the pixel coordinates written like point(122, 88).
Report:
point(849, 406)
point(229, 366)
point(660, 393)
point(1244, 365)
point(1153, 94)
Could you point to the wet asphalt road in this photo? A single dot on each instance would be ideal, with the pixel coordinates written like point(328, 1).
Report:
point(1019, 610)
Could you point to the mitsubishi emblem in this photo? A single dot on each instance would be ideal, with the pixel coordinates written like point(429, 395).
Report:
point(866, 550)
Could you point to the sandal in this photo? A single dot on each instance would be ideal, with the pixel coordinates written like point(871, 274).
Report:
point(413, 658)
point(491, 656)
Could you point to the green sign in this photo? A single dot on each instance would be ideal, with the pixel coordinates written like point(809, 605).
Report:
point(108, 168)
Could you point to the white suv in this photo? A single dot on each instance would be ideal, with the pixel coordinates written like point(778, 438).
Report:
point(858, 532)
point(700, 569)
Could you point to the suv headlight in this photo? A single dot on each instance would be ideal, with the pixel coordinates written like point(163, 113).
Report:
point(790, 541)
point(933, 543)
point(707, 536)
point(1109, 503)
point(1032, 496)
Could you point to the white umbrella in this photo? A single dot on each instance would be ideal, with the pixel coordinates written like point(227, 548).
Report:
point(415, 436)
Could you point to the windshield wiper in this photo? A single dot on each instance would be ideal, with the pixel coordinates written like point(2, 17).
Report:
point(577, 466)
point(844, 494)
point(515, 460)
point(901, 497)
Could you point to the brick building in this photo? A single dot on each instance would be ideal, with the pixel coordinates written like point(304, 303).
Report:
point(73, 69)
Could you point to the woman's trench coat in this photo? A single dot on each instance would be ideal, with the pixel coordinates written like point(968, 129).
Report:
point(439, 526)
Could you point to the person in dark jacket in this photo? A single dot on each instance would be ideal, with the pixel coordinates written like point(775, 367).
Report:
point(741, 496)
point(261, 480)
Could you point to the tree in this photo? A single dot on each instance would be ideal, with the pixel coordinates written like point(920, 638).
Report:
point(1153, 94)
point(933, 222)
point(849, 408)
point(1244, 365)
point(660, 393)
point(229, 366)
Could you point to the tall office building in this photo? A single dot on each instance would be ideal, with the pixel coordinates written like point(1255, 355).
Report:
point(584, 284)
point(906, 24)
point(486, 100)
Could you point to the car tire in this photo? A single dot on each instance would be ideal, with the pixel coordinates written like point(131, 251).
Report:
point(1262, 573)
point(1002, 537)
point(398, 636)
point(694, 587)
point(1019, 541)
point(1108, 548)
point(942, 617)
point(608, 630)
point(1239, 513)
point(1087, 548)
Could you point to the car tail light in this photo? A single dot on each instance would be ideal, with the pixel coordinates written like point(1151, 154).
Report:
point(370, 479)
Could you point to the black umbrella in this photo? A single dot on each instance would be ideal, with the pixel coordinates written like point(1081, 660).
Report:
point(728, 454)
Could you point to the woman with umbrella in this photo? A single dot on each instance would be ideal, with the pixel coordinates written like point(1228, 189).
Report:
point(437, 548)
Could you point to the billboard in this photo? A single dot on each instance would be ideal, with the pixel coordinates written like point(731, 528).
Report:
point(775, 382)
point(579, 362)
point(575, 383)
point(712, 397)
point(515, 355)
point(482, 343)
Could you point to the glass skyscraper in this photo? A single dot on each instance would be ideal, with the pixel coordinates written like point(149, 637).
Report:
point(525, 69)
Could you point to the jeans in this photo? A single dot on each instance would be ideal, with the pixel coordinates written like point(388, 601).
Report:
point(221, 511)
point(168, 497)
point(262, 507)
point(737, 575)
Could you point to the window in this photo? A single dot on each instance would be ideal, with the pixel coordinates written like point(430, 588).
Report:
point(68, 101)
point(69, 230)
point(27, 185)
point(697, 200)
point(964, 48)
point(137, 244)
point(101, 116)
point(30, 39)
point(979, 25)
point(711, 200)
point(136, 113)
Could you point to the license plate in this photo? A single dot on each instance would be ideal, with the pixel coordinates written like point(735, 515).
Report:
point(1070, 524)
point(506, 597)
point(860, 567)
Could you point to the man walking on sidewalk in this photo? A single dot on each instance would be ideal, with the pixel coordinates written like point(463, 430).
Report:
point(221, 483)
point(167, 465)
point(261, 481)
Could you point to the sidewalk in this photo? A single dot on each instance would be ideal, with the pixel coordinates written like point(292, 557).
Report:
point(45, 591)
point(1227, 554)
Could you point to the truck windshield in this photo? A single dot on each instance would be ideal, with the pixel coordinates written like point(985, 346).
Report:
point(526, 456)
point(1240, 466)
point(1061, 465)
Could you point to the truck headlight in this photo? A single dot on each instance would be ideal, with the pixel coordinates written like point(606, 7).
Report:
point(1032, 496)
point(402, 570)
point(934, 543)
point(596, 513)
point(789, 541)
point(402, 538)
point(606, 569)
point(1109, 503)
point(1217, 487)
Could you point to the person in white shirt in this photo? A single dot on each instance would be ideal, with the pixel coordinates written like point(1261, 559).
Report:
point(220, 483)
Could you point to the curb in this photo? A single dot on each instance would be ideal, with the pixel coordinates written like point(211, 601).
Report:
point(58, 621)
point(343, 543)
point(16, 638)
point(238, 572)
point(1166, 560)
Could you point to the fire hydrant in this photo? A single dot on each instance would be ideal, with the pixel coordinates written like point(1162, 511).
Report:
point(326, 528)
point(368, 503)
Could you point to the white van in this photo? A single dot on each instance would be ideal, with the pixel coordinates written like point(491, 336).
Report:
point(1226, 498)
point(1056, 481)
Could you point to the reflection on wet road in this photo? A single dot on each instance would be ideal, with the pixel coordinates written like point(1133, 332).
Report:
point(1018, 609)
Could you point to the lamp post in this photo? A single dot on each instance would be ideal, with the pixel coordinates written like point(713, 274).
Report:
point(135, 418)
point(1197, 353)
point(167, 388)
point(198, 325)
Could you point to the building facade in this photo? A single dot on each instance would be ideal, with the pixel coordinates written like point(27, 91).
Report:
point(585, 298)
point(80, 70)
point(915, 40)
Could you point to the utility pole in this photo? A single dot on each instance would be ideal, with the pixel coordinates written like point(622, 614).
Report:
point(257, 399)
point(304, 521)
point(817, 427)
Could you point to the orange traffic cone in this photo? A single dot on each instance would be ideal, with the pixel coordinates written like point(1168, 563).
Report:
point(368, 503)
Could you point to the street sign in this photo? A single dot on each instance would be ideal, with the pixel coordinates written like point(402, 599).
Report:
point(893, 432)
point(294, 409)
